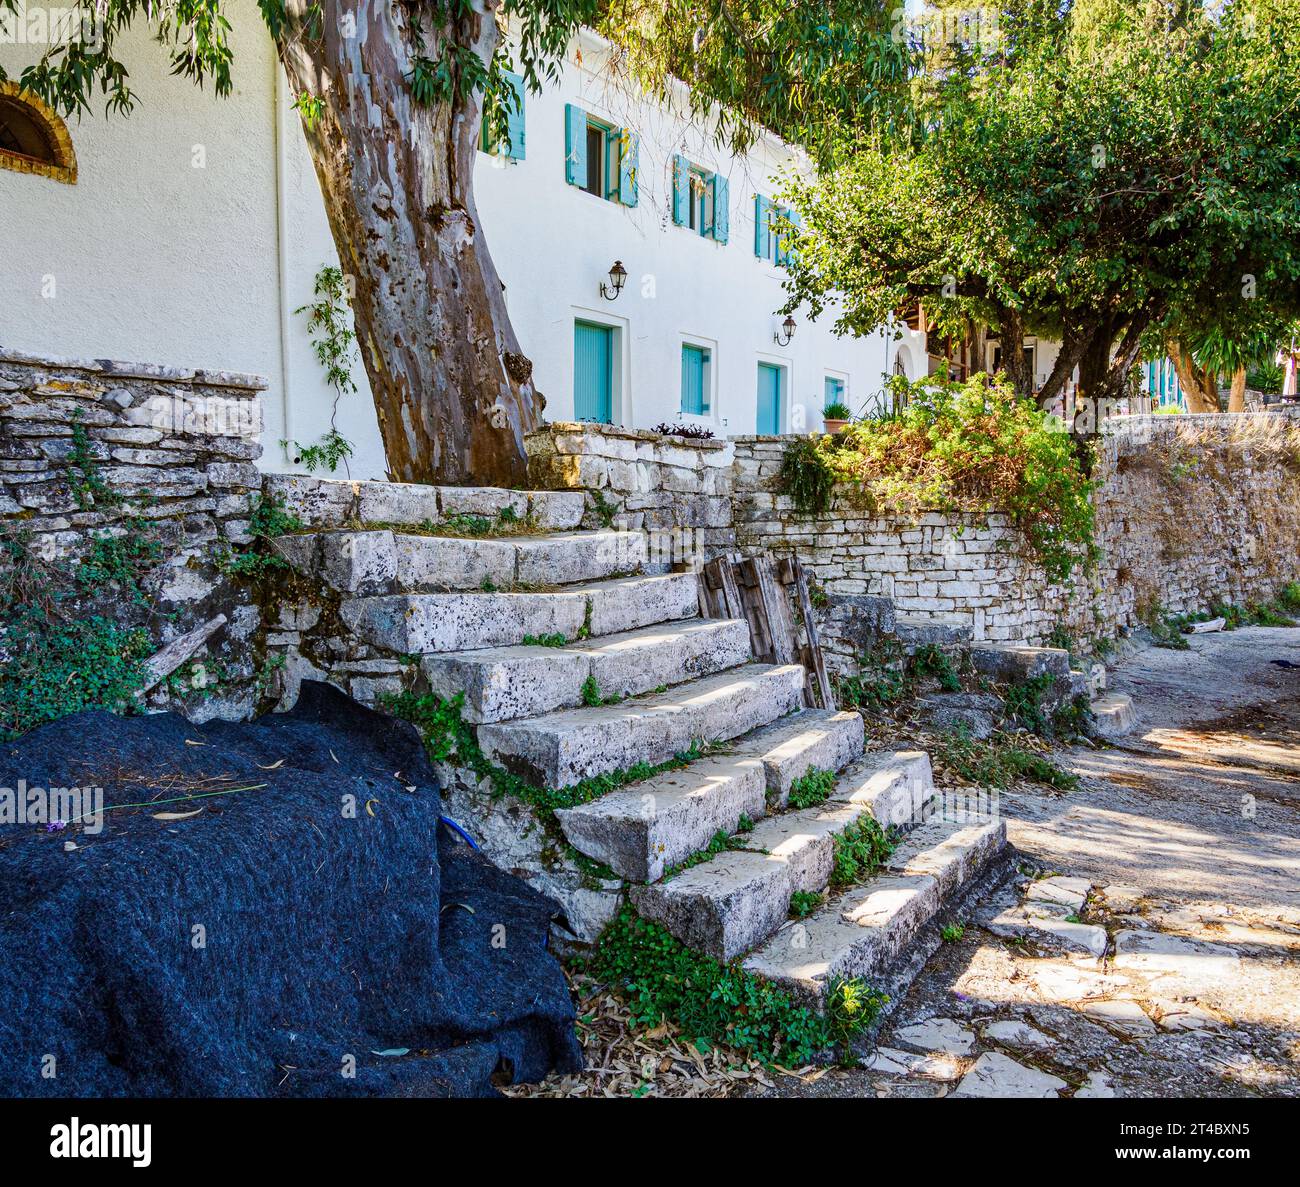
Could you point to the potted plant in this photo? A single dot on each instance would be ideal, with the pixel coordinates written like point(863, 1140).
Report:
point(835, 416)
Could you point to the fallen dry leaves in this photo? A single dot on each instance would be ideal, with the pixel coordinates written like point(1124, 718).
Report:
point(660, 1062)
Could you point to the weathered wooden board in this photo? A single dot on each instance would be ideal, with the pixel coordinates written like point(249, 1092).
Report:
point(815, 661)
point(755, 589)
point(719, 597)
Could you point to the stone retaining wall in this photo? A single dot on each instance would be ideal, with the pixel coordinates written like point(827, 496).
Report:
point(1190, 511)
point(677, 488)
point(95, 450)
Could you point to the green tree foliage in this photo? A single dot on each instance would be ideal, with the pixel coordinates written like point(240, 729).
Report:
point(1098, 172)
point(392, 98)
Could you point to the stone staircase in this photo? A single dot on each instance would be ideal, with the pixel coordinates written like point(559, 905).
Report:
point(575, 661)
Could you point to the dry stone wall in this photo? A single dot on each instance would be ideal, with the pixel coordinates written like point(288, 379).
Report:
point(158, 459)
point(679, 489)
point(1190, 512)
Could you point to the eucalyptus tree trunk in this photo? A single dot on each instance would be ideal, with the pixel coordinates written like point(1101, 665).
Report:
point(452, 389)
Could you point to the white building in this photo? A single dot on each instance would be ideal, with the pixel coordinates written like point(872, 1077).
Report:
point(195, 227)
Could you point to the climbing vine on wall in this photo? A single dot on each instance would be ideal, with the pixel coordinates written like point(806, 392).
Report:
point(329, 323)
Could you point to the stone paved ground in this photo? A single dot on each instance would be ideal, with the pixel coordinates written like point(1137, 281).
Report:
point(1151, 944)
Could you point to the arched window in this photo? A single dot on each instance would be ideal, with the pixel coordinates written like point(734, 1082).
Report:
point(33, 139)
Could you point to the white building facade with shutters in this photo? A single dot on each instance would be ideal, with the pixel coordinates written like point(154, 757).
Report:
point(191, 231)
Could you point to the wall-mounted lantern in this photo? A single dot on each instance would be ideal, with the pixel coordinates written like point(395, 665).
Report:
point(617, 279)
point(787, 332)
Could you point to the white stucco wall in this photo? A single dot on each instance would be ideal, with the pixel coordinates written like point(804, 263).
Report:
point(681, 287)
point(196, 227)
point(167, 248)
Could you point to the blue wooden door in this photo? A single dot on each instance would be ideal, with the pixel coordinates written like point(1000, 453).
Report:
point(593, 375)
point(769, 399)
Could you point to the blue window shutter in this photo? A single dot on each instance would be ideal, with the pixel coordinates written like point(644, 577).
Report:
point(515, 116)
point(694, 388)
point(575, 145)
point(796, 223)
point(681, 189)
point(721, 208)
point(762, 245)
point(628, 168)
point(787, 221)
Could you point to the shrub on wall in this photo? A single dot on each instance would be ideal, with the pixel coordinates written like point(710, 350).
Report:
point(965, 447)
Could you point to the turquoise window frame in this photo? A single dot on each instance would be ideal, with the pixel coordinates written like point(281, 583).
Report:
point(610, 158)
point(604, 411)
point(696, 378)
point(778, 374)
point(701, 215)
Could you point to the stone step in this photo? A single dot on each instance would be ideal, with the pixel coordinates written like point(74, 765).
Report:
point(894, 786)
point(563, 748)
point(338, 503)
point(788, 749)
point(862, 931)
point(1114, 715)
point(1014, 663)
point(642, 830)
point(734, 901)
point(505, 683)
point(942, 630)
point(386, 562)
point(414, 624)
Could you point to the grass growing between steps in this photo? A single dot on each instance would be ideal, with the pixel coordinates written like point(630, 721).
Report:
point(997, 762)
point(804, 902)
point(716, 1003)
point(931, 660)
point(1024, 703)
point(722, 842)
point(592, 696)
point(813, 787)
point(860, 851)
point(449, 739)
point(554, 639)
point(881, 683)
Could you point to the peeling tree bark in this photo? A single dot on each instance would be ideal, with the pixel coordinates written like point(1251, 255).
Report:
point(452, 389)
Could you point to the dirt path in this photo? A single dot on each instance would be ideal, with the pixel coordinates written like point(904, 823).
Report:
point(1151, 946)
point(1203, 798)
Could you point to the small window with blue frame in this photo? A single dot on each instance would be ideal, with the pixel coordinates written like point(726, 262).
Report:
point(600, 158)
point(696, 361)
point(502, 130)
